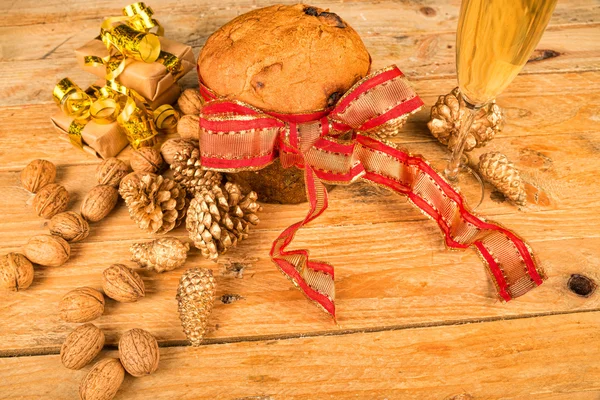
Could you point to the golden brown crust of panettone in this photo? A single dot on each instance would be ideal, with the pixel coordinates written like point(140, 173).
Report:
point(284, 58)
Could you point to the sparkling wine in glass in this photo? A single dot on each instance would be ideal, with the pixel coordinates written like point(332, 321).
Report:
point(493, 42)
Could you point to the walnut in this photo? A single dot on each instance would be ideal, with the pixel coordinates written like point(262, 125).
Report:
point(190, 102)
point(103, 381)
point(16, 272)
point(188, 127)
point(37, 174)
point(81, 346)
point(70, 226)
point(122, 284)
point(51, 200)
point(173, 146)
point(99, 202)
point(47, 250)
point(81, 305)
point(146, 159)
point(111, 171)
point(138, 351)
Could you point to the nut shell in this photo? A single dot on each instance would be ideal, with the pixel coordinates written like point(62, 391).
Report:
point(111, 171)
point(122, 284)
point(81, 346)
point(146, 159)
point(81, 305)
point(190, 101)
point(174, 146)
point(38, 174)
point(99, 202)
point(51, 200)
point(70, 226)
point(188, 127)
point(47, 250)
point(138, 351)
point(103, 381)
point(16, 272)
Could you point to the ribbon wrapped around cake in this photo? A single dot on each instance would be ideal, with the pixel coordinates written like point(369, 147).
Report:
point(339, 146)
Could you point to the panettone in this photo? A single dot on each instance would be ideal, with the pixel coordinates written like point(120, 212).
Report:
point(285, 59)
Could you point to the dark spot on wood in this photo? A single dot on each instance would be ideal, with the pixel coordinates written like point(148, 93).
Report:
point(236, 269)
point(400, 37)
point(449, 46)
point(428, 11)
point(312, 11)
point(581, 285)
point(260, 85)
point(333, 98)
point(539, 55)
point(230, 298)
point(331, 19)
point(497, 197)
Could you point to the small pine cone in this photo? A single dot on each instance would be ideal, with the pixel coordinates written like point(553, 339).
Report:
point(156, 204)
point(188, 171)
point(495, 168)
point(195, 298)
point(160, 255)
point(217, 219)
point(446, 115)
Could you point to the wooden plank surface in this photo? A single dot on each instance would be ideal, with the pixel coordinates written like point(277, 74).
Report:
point(393, 274)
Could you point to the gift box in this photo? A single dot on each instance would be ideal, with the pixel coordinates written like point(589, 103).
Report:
point(150, 80)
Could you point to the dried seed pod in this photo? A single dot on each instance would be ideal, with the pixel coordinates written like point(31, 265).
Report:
point(138, 351)
point(103, 381)
point(190, 101)
point(16, 272)
point(495, 168)
point(47, 250)
point(188, 127)
point(81, 305)
point(51, 200)
point(174, 146)
point(111, 171)
point(70, 226)
point(99, 202)
point(160, 255)
point(122, 284)
point(146, 159)
point(38, 174)
point(81, 346)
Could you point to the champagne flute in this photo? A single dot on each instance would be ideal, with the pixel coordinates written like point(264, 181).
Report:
point(493, 42)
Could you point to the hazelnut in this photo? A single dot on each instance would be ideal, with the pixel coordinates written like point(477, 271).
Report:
point(99, 202)
point(70, 226)
point(146, 159)
point(51, 200)
point(111, 171)
point(16, 272)
point(47, 250)
point(37, 174)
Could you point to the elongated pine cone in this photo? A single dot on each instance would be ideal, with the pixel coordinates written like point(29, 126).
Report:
point(160, 255)
point(446, 114)
point(195, 298)
point(156, 204)
point(495, 168)
point(188, 171)
point(217, 219)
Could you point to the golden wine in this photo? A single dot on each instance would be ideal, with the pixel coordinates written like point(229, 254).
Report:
point(494, 41)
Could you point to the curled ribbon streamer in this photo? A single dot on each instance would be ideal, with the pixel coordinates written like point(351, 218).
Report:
point(235, 136)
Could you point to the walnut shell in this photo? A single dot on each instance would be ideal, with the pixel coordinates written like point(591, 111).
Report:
point(16, 272)
point(146, 159)
point(188, 127)
point(38, 174)
point(138, 351)
point(103, 381)
point(111, 171)
point(81, 305)
point(122, 284)
point(81, 346)
point(190, 101)
point(99, 202)
point(47, 250)
point(173, 146)
point(51, 200)
point(70, 226)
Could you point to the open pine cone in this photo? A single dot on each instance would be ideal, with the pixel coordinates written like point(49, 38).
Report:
point(188, 171)
point(217, 219)
point(445, 118)
point(156, 204)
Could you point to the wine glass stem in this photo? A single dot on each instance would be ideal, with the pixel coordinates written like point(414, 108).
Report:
point(466, 120)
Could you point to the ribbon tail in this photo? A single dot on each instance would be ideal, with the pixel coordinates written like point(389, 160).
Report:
point(510, 261)
point(314, 278)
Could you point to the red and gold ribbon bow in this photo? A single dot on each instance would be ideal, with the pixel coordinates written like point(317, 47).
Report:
point(334, 147)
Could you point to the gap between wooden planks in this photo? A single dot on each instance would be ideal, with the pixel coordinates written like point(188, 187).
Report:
point(529, 358)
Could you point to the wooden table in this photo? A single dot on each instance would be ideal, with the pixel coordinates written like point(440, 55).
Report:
point(414, 321)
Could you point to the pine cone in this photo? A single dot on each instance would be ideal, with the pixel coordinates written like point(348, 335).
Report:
point(164, 254)
point(156, 204)
point(195, 298)
point(188, 171)
point(445, 118)
point(217, 219)
point(495, 168)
